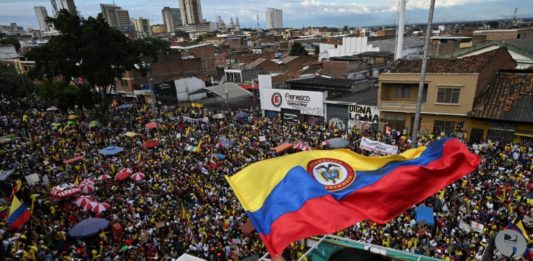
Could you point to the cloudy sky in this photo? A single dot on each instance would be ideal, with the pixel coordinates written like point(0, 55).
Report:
point(296, 13)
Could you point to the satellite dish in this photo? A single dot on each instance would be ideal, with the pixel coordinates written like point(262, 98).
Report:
point(511, 243)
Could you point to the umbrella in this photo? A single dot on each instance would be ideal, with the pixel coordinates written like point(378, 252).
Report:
point(72, 117)
point(95, 124)
point(138, 176)
point(53, 108)
point(99, 207)
point(130, 134)
point(302, 146)
point(72, 160)
point(104, 177)
point(86, 188)
point(81, 201)
point(124, 106)
point(123, 174)
point(242, 115)
point(151, 125)
point(88, 181)
point(151, 144)
point(218, 116)
point(337, 124)
point(111, 150)
point(282, 147)
point(88, 227)
point(337, 143)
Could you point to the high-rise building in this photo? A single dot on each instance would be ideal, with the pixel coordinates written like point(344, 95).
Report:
point(274, 18)
point(116, 17)
point(69, 5)
point(191, 12)
point(171, 18)
point(158, 29)
point(40, 12)
point(142, 26)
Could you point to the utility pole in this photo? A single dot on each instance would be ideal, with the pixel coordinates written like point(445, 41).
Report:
point(416, 125)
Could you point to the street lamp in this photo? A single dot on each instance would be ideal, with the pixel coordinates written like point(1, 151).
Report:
point(147, 66)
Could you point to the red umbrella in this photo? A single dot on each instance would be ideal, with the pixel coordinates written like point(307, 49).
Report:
point(86, 188)
point(81, 201)
point(151, 144)
point(88, 181)
point(151, 125)
point(137, 176)
point(100, 207)
point(72, 160)
point(104, 177)
point(123, 174)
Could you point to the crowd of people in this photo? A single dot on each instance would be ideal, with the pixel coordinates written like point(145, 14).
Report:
point(184, 204)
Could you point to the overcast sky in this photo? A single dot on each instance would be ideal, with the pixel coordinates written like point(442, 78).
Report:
point(296, 13)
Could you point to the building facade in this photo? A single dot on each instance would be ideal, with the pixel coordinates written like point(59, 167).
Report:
point(447, 96)
point(191, 12)
point(69, 5)
point(274, 18)
point(171, 19)
point(40, 12)
point(116, 17)
point(142, 26)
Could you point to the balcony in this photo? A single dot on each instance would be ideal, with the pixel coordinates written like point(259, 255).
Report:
point(399, 105)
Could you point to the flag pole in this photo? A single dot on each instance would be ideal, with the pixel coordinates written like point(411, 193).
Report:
point(416, 124)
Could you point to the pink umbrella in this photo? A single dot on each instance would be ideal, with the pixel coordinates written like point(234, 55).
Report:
point(137, 176)
point(123, 174)
point(88, 206)
point(83, 200)
point(100, 207)
point(151, 125)
point(104, 177)
point(86, 188)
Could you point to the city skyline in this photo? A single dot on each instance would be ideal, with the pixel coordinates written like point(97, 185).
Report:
point(297, 13)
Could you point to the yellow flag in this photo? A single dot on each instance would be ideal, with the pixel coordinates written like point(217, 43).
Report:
point(198, 147)
point(184, 214)
point(18, 185)
point(77, 180)
point(33, 198)
point(139, 157)
point(187, 131)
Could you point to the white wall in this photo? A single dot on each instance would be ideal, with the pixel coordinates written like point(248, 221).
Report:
point(349, 46)
point(185, 86)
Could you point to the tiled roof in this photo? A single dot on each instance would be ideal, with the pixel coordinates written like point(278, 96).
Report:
point(509, 97)
point(470, 64)
point(256, 63)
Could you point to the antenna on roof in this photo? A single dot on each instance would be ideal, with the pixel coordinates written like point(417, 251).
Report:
point(257, 17)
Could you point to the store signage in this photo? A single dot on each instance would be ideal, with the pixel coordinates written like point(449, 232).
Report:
point(308, 103)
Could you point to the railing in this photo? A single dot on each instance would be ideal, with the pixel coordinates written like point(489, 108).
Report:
point(399, 105)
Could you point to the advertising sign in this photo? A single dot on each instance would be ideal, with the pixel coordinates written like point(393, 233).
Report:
point(308, 103)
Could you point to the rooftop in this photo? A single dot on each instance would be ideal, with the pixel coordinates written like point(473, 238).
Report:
point(470, 64)
point(322, 84)
point(509, 97)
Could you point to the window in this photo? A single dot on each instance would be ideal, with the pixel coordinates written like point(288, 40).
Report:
point(124, 82)
point(402, 91)
point(448, 95)
point(443, 126)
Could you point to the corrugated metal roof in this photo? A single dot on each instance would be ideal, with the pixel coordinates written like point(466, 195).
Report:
point(509, 97)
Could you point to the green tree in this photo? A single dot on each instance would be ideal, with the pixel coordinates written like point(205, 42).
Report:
point(65, 95)
point(12, 84)
point(89, 49)
point(297, 49)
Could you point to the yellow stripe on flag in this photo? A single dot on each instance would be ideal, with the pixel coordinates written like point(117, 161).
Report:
point(252, 188)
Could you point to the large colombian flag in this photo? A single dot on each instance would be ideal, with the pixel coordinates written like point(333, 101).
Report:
point(18, 215)
point(318, 192)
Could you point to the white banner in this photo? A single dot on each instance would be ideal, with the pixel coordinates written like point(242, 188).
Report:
point(478, 227)
point(362, 116)
point(464, 226)
point(33, 179)
point(378, 147)
point(308, 103)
